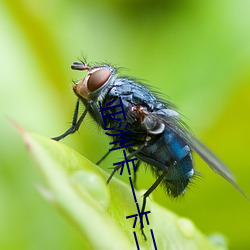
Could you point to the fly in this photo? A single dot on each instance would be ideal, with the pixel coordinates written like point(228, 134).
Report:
point(161, 138)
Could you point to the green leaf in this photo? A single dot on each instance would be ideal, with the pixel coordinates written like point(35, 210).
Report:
point(78, 189)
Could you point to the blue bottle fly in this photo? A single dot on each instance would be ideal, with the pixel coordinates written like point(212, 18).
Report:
point(160, 137)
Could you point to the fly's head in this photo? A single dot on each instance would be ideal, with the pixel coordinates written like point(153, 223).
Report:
point(96, 79)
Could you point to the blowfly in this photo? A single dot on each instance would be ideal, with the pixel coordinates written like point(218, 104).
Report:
point(161, 139)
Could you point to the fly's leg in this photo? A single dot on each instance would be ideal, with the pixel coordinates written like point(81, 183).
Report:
point(104, 157)
point(145, 196)
point(75, 123)
point(136, 167)
point(129, 157)
point(138, 163)
point(150, 190)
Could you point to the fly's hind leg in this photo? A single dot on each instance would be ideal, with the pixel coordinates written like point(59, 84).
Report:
point(150, 190)
point(145, 196)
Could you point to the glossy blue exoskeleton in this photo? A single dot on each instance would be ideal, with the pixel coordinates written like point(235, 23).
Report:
point(160, 137)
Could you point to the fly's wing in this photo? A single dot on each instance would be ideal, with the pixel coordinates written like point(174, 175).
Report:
point(175, 124)
point(212, 160)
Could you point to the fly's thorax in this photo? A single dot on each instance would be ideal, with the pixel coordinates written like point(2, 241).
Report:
point(93, 85)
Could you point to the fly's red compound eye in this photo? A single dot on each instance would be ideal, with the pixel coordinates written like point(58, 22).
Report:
point(97, 79)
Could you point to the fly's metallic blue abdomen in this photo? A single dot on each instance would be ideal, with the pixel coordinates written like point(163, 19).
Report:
point(171, 155)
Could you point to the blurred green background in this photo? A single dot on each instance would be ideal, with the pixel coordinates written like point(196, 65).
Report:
point(196, 52)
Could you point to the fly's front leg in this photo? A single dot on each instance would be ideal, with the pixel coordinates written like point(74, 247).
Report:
point(75, 123)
